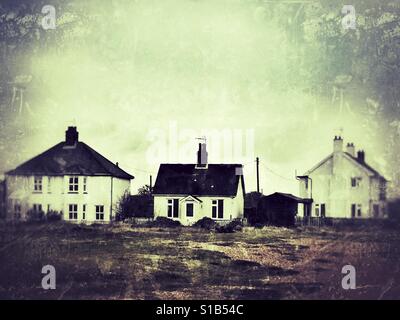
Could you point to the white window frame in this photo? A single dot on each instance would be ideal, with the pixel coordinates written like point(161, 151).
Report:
point(73, 181)
point(170, 205)
point(99, 213)
point(85, 184)
point(215, 204)
point(37, 184)
point(84, 211)
point(48, 184)
point(73, 211)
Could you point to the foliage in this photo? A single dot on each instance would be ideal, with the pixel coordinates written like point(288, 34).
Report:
point(205, 223)
point(144, 191)
point(233, 226)
point(393, 210)
point(35, 216)
point(164, 222)
point(53, 215)
point(134, 206)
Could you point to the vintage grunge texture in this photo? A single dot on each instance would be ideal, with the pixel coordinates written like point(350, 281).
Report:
point(287, 69)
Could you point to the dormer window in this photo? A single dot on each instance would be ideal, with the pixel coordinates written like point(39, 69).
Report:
point(73, 184)
point(37, 184)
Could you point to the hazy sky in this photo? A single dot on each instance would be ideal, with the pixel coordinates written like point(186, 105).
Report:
point(136, 74)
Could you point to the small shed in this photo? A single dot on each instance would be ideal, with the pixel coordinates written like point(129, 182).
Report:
point(279, 209)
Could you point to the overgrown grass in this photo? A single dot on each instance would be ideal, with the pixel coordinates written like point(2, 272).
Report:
point(124, 262)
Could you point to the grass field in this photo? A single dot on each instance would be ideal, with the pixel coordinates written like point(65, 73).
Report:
point(122, 262)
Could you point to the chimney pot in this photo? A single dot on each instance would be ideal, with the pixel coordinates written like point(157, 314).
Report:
point(71, 136)
point(337, 144)
point(350, 149)
point(361, 156)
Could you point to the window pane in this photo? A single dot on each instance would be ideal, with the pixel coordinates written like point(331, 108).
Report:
point(169, 210)
point(214, 211)
point(176, 208)
point(220, 209)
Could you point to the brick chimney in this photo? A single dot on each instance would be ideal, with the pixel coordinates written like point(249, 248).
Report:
point(71, 136)
point(351, 149)
point(361, 156)
point(202, 156)
point(337, 144)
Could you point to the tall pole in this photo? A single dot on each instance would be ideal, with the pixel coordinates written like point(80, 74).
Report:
point(258, 174)
point(151, 184)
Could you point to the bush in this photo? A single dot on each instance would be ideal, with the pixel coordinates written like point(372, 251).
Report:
point(233, 226)
point(53, 216)
point(393, 210)
point(35, 216)
point(206, 223)
point(164, 222)
point(134, 206)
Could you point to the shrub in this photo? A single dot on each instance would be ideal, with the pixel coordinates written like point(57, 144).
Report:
point(35, 216)
point(164, 222)
point(393, 210)
point(206, 223)
point(134, 206)
point(53, 216)
point(233, 226)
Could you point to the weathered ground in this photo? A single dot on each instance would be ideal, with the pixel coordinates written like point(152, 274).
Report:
point(120, 262)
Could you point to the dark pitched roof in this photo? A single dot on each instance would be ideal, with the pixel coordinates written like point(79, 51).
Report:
point(367, 166)
point(287, 196)
point(185, 179)
point(63, 159)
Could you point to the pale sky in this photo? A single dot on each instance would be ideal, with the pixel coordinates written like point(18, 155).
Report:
point(125, 79)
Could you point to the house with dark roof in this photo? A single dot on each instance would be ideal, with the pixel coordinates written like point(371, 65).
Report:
point(70, 178)
point(189, 192)
point(343, 185)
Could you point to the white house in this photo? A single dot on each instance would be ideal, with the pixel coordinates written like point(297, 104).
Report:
point(189, 192)
point(343, 185)
point(70, 178)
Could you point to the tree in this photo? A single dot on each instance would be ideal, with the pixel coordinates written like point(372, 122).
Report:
point(145, 190)
point(122, 210)
point(135, 206)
